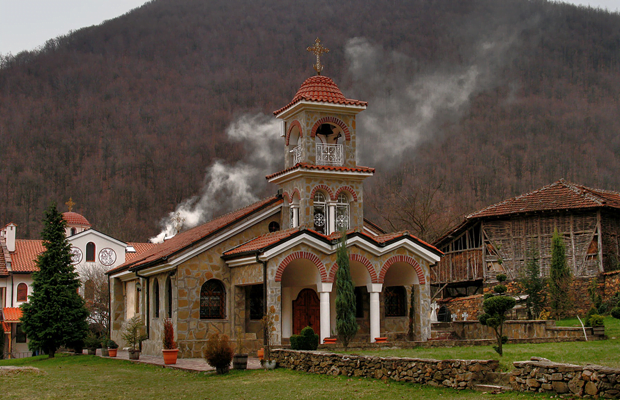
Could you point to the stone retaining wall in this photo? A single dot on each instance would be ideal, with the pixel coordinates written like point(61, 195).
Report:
point(528, 329)
point(456, 374)
point(542, 375)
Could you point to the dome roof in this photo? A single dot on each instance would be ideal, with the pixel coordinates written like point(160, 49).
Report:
point(75, 219)
point(321, 89)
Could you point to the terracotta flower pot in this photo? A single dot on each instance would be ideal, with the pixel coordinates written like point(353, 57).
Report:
point(170, 356)
point(260, 354)
point(329, 340)
point(112, 352)
point(381, 340)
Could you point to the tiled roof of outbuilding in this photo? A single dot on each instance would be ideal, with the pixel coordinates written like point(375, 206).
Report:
point(321, 89)
point(560, 195)
point(12, 314)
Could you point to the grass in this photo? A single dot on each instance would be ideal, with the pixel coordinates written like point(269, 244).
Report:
point(89, 377)
point(602, 352)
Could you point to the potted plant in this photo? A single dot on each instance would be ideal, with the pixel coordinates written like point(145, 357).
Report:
point(268, 328)
point(170, 350)
point(112, 348)
point(92, 343)
point(240, 359)
point(218, 353)
point(332, 339)
point(104, 346)
point(132, 334)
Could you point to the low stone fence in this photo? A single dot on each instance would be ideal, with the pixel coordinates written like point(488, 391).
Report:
point(542, 375)
point(516, 331)
point(456, 374)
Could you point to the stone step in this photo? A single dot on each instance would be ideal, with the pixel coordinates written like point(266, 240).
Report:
point(493, 389)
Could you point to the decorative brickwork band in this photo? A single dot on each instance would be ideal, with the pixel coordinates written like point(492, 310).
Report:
point(291, 197)
point(301, 255)
point(360, 259)
point(290, 129)
point(404, 259)
point(347, 189)
point(323, 187)
point(331, 120)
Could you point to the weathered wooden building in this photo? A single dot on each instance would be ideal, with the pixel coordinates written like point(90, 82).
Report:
point(500, 238)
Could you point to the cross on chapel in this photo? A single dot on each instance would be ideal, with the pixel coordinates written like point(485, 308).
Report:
point(317, 50)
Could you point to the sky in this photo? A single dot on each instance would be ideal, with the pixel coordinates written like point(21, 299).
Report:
point(28, 24)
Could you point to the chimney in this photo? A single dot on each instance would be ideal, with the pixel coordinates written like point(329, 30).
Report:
point(10, 236)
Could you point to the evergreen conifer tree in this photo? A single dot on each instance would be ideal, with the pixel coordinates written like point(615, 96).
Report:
point(533, 284)
point(55, 315)
point(346, 325)
point(559, 278)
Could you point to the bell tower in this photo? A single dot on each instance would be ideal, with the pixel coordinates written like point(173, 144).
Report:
point(321, 181)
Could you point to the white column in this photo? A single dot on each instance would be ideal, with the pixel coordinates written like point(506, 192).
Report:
point(332, 218)
point(324, 291)
point(375, 312)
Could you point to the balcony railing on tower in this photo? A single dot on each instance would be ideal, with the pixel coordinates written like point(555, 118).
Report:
point(329, 154)
point(297, 153)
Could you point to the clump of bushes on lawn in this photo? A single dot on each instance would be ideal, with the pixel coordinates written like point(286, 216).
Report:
point(593, 318)
point(615, 312)
point(495, 307)
point(218, 352)
point(307, 340)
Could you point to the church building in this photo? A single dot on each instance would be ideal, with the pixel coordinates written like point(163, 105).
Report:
point(279, 254)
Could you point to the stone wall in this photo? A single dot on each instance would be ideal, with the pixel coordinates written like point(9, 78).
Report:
point(515, 330)
point(456, 374)
point(542, 375)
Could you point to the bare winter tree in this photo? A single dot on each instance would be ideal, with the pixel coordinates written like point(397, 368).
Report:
point(96, 294)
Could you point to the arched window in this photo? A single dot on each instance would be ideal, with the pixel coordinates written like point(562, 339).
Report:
point(395, 301)
point(22, 292)
point(90, 252)
point(320, 213)
point(342, 212)
point(73, 231)
point(213, 300)
point(169, 297)
point(155, 298)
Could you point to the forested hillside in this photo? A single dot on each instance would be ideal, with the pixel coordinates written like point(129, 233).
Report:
point(469, 103)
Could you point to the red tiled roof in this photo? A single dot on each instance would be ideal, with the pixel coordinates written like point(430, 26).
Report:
point(560, 195)
point(6, 327)
point(321, 89)
point(373, 227)
point(12, 314)
point(25, 255)
point(141, 248)
point(261, 242)
point(322, 168)
point(186, 239)
point(73, 218)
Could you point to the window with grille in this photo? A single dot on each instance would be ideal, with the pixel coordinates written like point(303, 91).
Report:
point(320, 213)
point(342, 212)
point(395, 301)
point(22, 292)
point(213, 300)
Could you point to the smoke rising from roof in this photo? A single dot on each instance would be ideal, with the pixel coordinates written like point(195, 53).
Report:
point(407, 106)
point(230, 187)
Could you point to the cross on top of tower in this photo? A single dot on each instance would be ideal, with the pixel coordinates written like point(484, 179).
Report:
point(317, 50)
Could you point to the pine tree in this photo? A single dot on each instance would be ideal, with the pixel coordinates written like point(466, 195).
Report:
point(559, 278)
point(55, 315)
point(346, 325)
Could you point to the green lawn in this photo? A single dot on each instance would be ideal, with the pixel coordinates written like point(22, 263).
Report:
point(602, 352)
point(90, 377)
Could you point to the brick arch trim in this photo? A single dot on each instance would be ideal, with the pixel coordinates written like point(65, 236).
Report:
point(348, 189)
point(359, 258)
point(301, 255)
point(290, 129)
point(324, 187)
point(289, 197)
point(332, 120)
point(406, 259)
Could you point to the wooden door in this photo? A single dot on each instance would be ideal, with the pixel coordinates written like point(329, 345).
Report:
point(306, 311)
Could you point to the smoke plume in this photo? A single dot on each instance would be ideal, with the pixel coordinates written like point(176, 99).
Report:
point(229, 187)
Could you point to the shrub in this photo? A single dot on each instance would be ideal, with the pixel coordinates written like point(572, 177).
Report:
point(91, 342)
point(307, 340)
point(218, 353)
point(597, 320)
point(132, 334)
point(615, 312)
point(112, 344)
point(168, 339)
point(592, 311)
point(495, 308)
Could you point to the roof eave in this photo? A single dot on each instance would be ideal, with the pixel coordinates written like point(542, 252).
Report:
point(318, 105)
